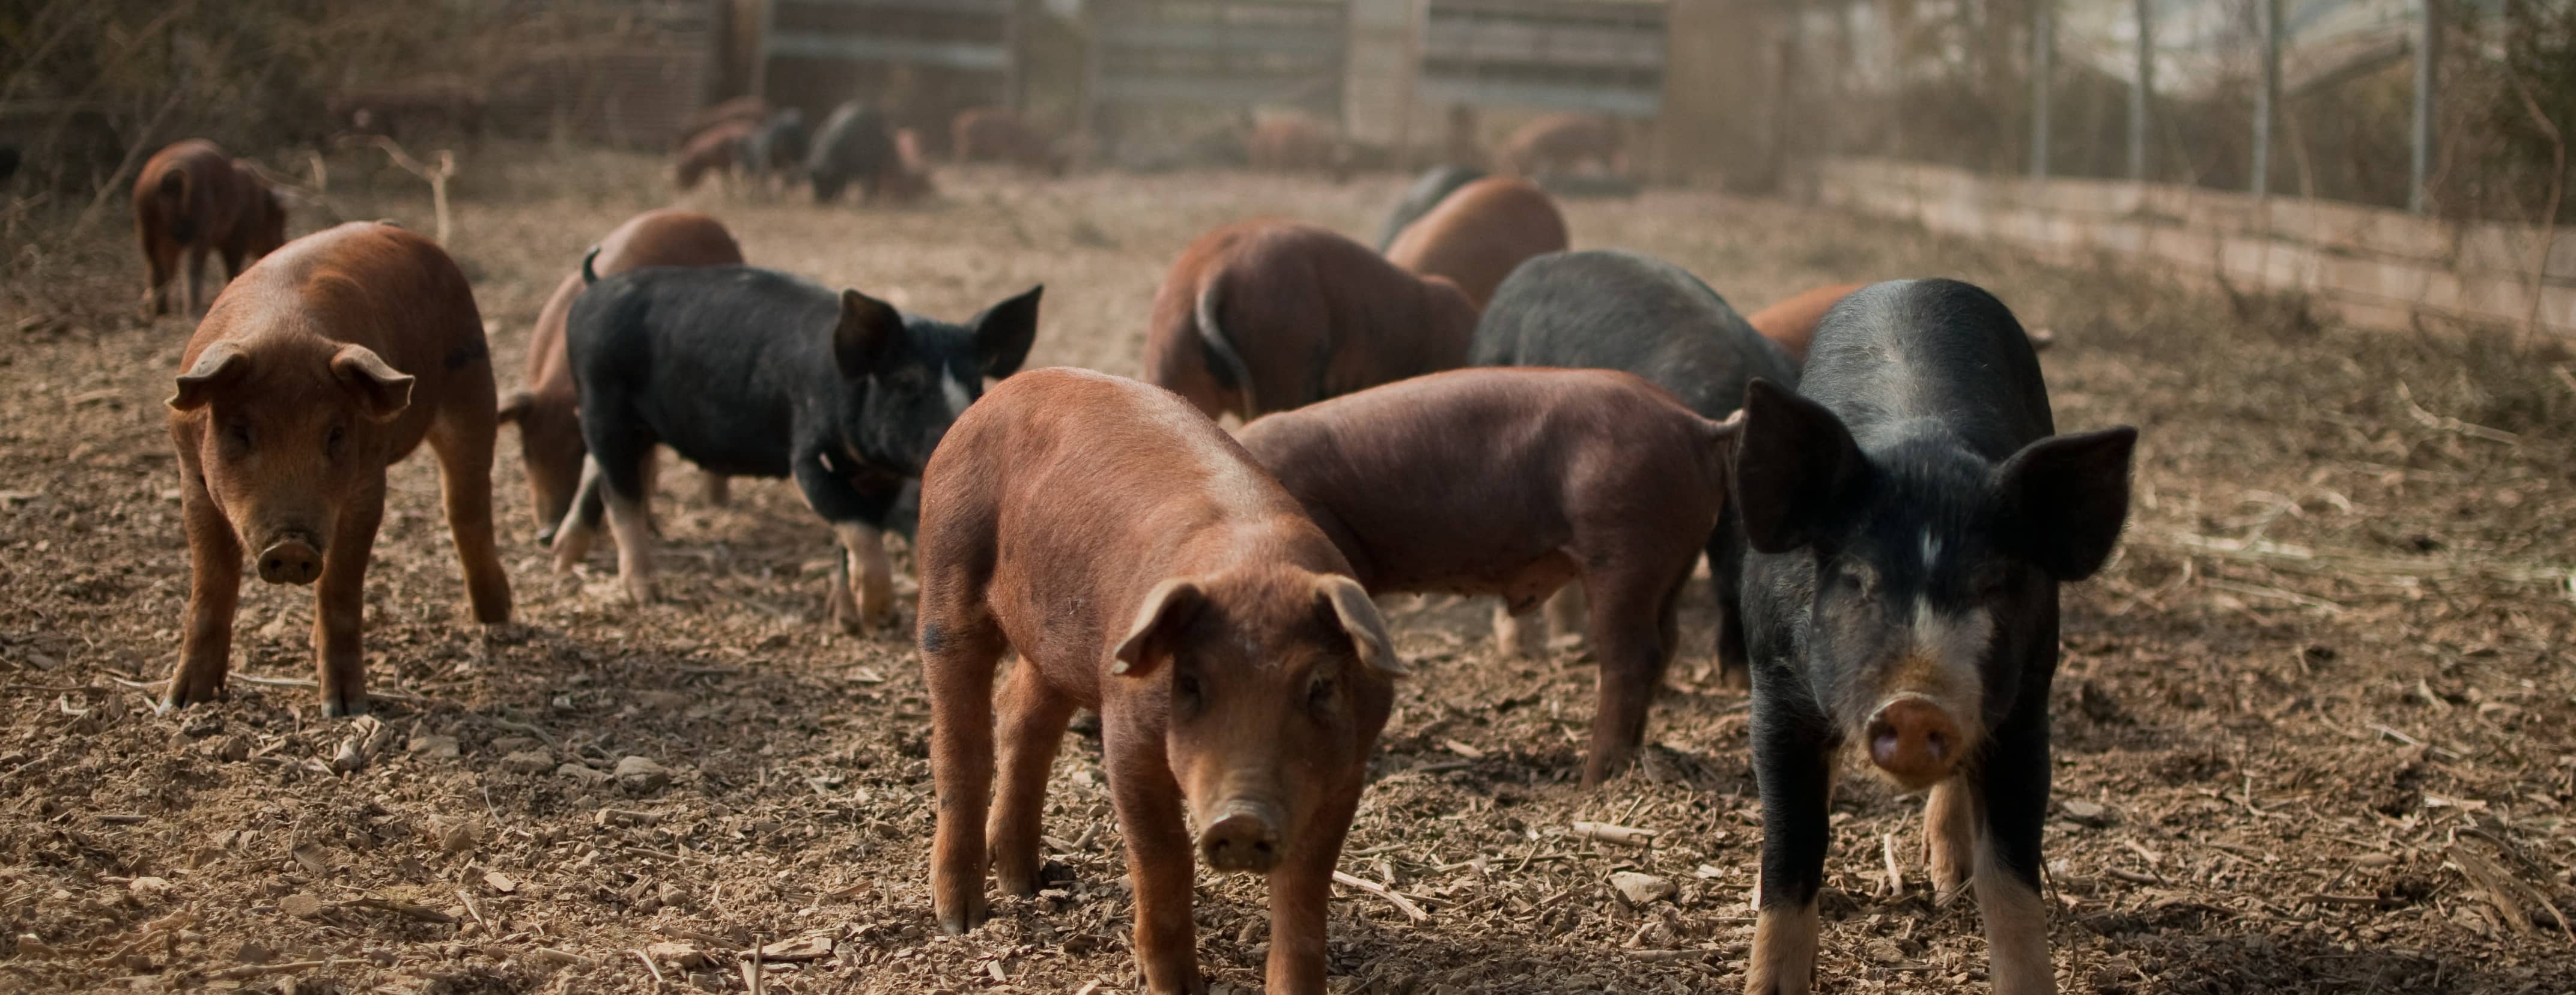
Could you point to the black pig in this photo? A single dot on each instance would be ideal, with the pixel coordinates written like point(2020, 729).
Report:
point(855, 145)
point(1911, 517)
point(778, 147)
point(753, 373)
point(1612, 310)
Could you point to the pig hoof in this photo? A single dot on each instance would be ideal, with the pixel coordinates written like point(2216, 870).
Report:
point(344, 707)
point(959, 922)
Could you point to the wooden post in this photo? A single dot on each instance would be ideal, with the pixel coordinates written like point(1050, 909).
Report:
point(2267, 95)
point(2043, 43)
point(2428, 53)
point(2142, 91)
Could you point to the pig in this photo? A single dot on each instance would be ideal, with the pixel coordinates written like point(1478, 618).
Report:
point(856, 145)
point(1143, 567)
point(1427, 191)
point(324, 363)
point(1565, 143)
point(193, 198)
point(1510, 483)
point(1607, 309)
point(548, 410)
point(424, 107)
point(1911, 513)
point(751, 372)
point(734, 111)
point(1791, 321)
point(1268, 315)
point(994, 134)
point(777, 148)
point(1296, 144)
point(1478, 234)
point(717, 150)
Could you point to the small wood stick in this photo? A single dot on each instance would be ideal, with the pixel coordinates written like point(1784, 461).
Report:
point(1402, 904)
point(475, 912)
point(649, 966)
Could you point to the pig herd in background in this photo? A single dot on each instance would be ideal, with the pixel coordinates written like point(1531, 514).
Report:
point(1872, 471)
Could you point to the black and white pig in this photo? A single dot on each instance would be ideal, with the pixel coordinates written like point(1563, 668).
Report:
point(856, 145)
point(1612, 310)
point(1911, 513)
point(754, 373)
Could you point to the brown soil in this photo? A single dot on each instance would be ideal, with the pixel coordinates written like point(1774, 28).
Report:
point(2316, 727)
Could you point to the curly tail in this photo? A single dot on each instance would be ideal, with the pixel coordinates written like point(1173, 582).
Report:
point(590, 275)
point(1226, 365)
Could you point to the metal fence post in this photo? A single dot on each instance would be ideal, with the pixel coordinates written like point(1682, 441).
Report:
point(2268, 95)
point(2142, 90)
point(2043, 45)
point(2428, 53)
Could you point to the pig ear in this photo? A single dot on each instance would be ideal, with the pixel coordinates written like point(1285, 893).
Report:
point(2065, 498)
point(219, 365)
point(1004, 332)
point(1793, 459)
point(383, 392)
point(514, 406)
point(1167, 607)
point(1350, 604)
point(869, 327)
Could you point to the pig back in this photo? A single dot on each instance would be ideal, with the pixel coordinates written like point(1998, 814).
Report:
point(1613, 310)
point(1906, 351)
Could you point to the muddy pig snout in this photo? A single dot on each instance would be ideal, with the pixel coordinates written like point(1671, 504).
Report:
point(290, 559)
point(1243, 837)
point(1915, 740)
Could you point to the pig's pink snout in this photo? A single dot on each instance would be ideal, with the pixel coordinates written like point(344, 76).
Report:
point(290, 560)
point(1914, 740)
point(1244, 837)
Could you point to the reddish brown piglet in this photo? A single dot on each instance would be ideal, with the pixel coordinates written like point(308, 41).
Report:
point(994, 134)
point(1144, 567)
point(1565, 143)
point(1269, 315)
point(329, 360)
point(1479, 233)
point(1296, 144)
point(192, 198)
point(547, 411)
point(1791, 321)
point(1511, 483)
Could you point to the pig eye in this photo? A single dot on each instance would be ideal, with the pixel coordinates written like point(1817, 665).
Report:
point(238, 433)
point(338, 440)
point(1186, 693)
point(1319, 696)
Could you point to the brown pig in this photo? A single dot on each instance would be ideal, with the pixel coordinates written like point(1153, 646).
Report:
point(547, 410)
point(718, 149)
point(1565, 143)
point(1512, 482)
point(1296, 144)
point(1480, 232)
point(193, 198)
point(1143, 567)
point(993, 134)
point(1791, 321)
point(1269, 315)
point(327, 361)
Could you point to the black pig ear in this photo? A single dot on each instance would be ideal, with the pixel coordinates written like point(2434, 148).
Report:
point(1004, 332)
point(1166, 608)
point(1793, 461)
point(2065, 498)
point(869, 327)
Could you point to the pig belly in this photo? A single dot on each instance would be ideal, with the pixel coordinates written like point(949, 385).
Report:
point(1521, 584)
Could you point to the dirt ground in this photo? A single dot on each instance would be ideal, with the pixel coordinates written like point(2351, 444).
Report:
point(2316, 725)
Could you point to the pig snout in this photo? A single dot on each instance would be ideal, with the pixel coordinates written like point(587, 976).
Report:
point(1914, 740)
point(290, 559)
point(1244, 837)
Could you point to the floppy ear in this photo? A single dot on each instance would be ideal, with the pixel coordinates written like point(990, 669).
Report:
point(383, 392)
point(869, 328)
point(514, 406)
point(1166, 608)
point(1793, 458)
point(1004, 332)
point(2065, 498)
point(1349, 602)
point(219, 365)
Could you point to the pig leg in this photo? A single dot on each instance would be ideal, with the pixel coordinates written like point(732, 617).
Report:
point(161, 257)
point(195, 299)
point(1516, 637)
point(630, 526)
point(1160, 859)
point(581, 520)
point(1793, 755)
point(2012, 792)
point(957, 664)
point(863, 584)
point(1726, 577)
point(463, 444)
point(1033, 722)
point(340, 605)
point(1633, 622)
point(1949, 838)
point(621, 448)
point(1566, 611)
point(214, 593)
point(1299, 891)
point(719, 488)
